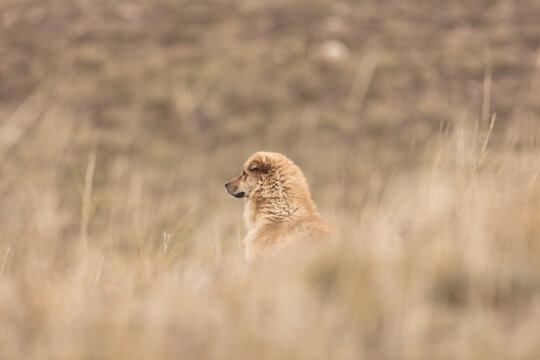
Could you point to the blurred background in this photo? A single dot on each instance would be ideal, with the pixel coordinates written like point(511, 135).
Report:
point(120, 121)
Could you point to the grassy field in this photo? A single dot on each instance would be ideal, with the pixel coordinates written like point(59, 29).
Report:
point(416, 123)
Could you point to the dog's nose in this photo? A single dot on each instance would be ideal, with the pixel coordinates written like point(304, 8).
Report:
point(226, 184)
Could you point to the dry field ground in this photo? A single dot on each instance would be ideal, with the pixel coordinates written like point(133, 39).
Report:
point(416, 123)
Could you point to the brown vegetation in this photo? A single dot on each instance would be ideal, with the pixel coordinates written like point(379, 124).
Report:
point(120, 122)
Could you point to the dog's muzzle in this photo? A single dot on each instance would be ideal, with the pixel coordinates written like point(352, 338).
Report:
point(238, 195)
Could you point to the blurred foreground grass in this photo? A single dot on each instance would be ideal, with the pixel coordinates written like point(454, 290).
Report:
point(120, 122)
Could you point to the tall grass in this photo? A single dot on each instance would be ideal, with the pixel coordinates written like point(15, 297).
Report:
point(439, 261)
point(120, 121)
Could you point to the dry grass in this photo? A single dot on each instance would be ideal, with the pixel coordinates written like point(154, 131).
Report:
point(117, 239)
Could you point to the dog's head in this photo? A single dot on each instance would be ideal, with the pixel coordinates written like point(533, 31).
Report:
point(255, 171)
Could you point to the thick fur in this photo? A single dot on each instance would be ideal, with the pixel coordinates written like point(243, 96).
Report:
point(278, 208)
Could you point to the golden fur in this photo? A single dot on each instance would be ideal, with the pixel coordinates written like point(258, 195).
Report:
point(278, 207)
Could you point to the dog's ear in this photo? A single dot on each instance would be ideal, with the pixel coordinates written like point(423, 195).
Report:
point(260, 164)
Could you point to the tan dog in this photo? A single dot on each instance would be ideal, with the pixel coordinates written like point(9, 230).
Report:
point(278, 207)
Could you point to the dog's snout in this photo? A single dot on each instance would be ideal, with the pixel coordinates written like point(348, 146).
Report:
point(227, 184)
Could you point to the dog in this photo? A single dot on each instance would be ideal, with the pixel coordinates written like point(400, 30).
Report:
point(278, 211)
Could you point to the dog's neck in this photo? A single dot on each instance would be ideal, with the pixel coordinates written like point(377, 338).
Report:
point(277, 209)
